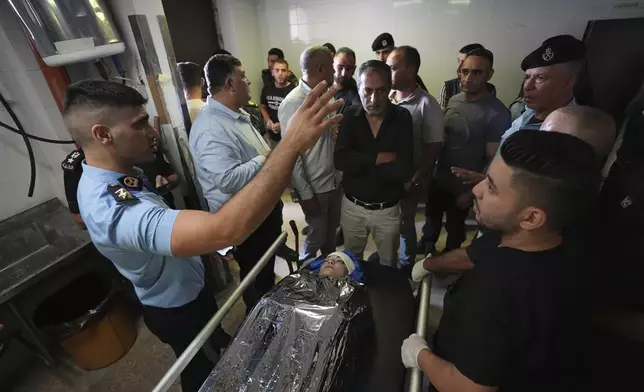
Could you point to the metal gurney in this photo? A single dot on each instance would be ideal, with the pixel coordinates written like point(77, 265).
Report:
point(393, 309)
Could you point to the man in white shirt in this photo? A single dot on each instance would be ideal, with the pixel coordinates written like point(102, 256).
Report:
point(314, 176)
point(191, 75)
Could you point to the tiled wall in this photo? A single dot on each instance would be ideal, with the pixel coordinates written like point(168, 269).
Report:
point(22, 83)
point(438, 28)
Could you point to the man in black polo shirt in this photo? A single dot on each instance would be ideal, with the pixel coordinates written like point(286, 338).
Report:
point(514, 321)
point(375, 151)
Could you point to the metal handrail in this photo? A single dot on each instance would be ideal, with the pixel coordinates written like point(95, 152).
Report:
point(416, 377)
point(175, 370)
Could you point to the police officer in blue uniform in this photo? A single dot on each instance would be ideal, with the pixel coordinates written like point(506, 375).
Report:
point(551, 72)
point(156, 247)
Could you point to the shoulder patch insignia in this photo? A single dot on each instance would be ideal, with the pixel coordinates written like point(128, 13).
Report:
point(120, 194)
point(73, 160)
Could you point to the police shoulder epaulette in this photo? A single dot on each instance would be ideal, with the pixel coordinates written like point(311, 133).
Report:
point(120, 194)
point(73, 160)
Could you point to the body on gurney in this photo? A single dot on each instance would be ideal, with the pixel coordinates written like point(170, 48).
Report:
point(303, 335)
point(323, 331)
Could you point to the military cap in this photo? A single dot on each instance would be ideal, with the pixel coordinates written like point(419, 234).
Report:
point(384, 40)
point(555, 50)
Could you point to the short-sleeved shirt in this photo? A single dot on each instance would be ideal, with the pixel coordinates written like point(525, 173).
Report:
point(134, 234)
point(514, 320)
point(272, 96)
point(469, 126)
point(427, 116)
point(527, 121)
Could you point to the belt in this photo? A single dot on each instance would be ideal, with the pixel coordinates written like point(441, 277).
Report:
point(371, 206)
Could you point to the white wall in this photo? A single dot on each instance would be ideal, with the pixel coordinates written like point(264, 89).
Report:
point(437, 28)
point(22, 83)
point(241, 30)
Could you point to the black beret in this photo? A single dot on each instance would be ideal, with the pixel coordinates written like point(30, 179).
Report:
point(555, 50)
point(382, 41)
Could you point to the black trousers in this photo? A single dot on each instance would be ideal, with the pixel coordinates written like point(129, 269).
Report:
point(178, 326)
point(250, 251)
point(441, 201)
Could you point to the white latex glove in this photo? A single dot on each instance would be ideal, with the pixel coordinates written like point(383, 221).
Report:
point(419, 272)
point(411, 347)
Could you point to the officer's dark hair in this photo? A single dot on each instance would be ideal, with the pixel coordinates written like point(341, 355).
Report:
point(411, 55)
point(282, 61)
point(93, 101)
point(276, 52)
point(482, 52)
point(555, 172)
point(468, 48)
point(218, 68)
point(330, 46)
point(190, 74)
point(375, 65)
point(347, 51)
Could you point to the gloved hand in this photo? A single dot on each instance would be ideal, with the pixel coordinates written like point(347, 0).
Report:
point(411, 347)
point(419, 272)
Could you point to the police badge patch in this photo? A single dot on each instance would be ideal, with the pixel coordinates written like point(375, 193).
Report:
point(120, 194)
point(73, 160)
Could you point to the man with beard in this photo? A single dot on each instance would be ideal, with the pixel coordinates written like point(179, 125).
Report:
point(427, 117)
point(514, 320)
point(474, 122)
point(344, 65)
point(272, 96)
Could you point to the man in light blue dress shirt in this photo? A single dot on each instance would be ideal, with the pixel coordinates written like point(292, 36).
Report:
point(153, 246)
point(228, 152)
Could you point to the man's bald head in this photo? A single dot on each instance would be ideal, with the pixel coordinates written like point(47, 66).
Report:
point(316, 63)
point(591, 125)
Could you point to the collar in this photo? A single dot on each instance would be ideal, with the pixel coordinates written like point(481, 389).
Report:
point(411, 97)
point(305, 87)
point(527, 115)
point(219, 107)
point(107, 176)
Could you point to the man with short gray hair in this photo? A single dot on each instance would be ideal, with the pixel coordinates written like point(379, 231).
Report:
point(550, 75)
point(314, 176)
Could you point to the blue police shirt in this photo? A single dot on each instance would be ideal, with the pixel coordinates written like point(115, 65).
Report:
point(526, 121)
point(134, 233)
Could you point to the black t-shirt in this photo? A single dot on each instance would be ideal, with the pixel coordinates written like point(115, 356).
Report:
point(272, 96)
point(515, 320)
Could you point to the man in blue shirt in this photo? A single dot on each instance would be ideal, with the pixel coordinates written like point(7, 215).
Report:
point(155, 247)
point(550, 75)
point(228, 152)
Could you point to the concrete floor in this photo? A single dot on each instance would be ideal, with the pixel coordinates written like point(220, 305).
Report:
point(147, 361)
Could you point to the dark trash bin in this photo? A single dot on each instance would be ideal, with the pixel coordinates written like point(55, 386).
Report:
point(88, 318)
